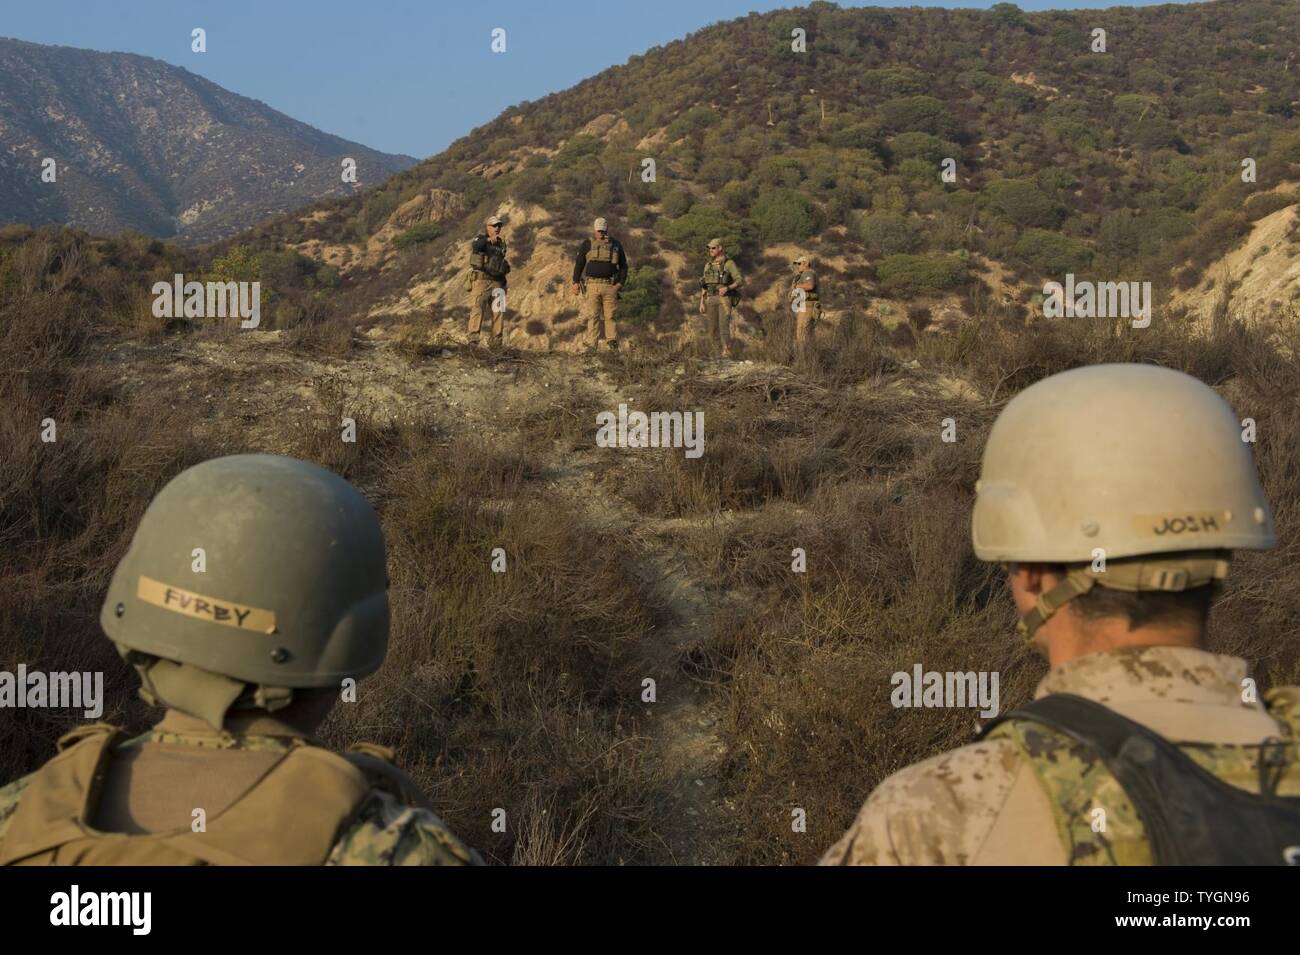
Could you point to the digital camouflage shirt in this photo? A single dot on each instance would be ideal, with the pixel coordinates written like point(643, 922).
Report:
point(988, 803)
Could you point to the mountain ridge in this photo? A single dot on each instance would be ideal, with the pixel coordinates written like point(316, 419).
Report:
point(145, 145)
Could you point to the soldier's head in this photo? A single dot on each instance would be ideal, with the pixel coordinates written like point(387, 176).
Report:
point(600, 228)
point(1114, 495)
point(800, 263)
point(715, 248)
point(252, 583)
point(494, 225)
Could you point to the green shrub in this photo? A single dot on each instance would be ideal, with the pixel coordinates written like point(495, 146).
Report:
point(783, 215)
point(921, 274)
point(694, 120)
point(922, 114)
point(420, 233)
point(890, 233)
point(642, 295)
point(692, 231)
point(677, 202)
point(898, 80)
point(532, 185)
point(859, 136)
point(1024, 203)
point(922, 146)
point(1053, 253)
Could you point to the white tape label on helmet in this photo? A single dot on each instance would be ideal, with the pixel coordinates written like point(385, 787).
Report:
point(1175, 525)
point(205, 608)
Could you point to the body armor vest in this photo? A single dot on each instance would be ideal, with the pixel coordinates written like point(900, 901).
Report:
point(492, 262)
point(320, 791)
point(604, 256)
point(716, 275)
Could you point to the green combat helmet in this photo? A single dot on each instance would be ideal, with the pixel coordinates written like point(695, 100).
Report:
point(250, 576)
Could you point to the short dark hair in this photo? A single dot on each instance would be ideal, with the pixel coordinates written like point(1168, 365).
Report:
point(1147, 608)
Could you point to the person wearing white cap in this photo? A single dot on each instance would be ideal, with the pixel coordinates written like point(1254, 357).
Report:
point(599, 271)
point(488, 270)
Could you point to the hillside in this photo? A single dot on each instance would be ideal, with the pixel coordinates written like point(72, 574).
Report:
point(1119, 165)
point(143, 145)
point(526, 690)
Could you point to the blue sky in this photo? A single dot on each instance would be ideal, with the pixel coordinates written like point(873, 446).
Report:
point(404, 76)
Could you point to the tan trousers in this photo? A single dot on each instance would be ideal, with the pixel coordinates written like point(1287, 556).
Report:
point(480, 306)
point(600, 300)
point(716, 330)
point(805, 326)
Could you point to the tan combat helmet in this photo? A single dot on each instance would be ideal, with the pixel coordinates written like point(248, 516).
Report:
point(715, 244)
point(1139, 465)
point(600, 225)
point(495, 220)
point(292, 592)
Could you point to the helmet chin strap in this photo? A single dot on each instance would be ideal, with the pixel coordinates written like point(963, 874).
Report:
point(208, 696)
point(1133, 574)
point(1076, 583)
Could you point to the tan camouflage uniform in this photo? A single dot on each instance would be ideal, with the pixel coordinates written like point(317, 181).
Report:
point(805, 319)
point(986, 803)
point(155, 779)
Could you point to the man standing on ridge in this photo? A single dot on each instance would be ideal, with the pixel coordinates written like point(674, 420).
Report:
point(488, 270)
point(806, 306)
point(719, 292)
point(599, 271)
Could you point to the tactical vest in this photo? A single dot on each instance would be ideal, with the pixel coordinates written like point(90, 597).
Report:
point(492, 262)
point(317, 789)
point(1126, 796)
point(715, 275)
point(808, 296)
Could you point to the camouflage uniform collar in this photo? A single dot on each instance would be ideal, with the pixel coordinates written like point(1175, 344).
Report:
point(183, 728)
point(1168, 689)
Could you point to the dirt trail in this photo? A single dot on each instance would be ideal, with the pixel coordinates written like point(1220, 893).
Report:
point(255, 380)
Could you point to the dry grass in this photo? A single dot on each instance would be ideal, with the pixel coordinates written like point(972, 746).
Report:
point(519, 690)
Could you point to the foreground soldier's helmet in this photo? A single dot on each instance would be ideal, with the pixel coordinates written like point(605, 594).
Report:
point(600, 225)
point(1142, 467)
point(289, 590)
point(715, 243)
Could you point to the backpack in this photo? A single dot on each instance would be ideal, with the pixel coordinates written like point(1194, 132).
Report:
point(1188, 815)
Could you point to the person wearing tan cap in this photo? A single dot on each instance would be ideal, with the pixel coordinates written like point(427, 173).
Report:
point(1114, 496)
point(805, 303)
point(719, 292)
point(488, 270)
point(599, 271)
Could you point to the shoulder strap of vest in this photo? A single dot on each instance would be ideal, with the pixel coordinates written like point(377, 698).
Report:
point(377, 763)
point(72, 737)
point(60, 793)
point(1170, 791)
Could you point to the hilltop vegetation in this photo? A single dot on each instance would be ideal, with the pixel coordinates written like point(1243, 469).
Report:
point(1122, 164)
